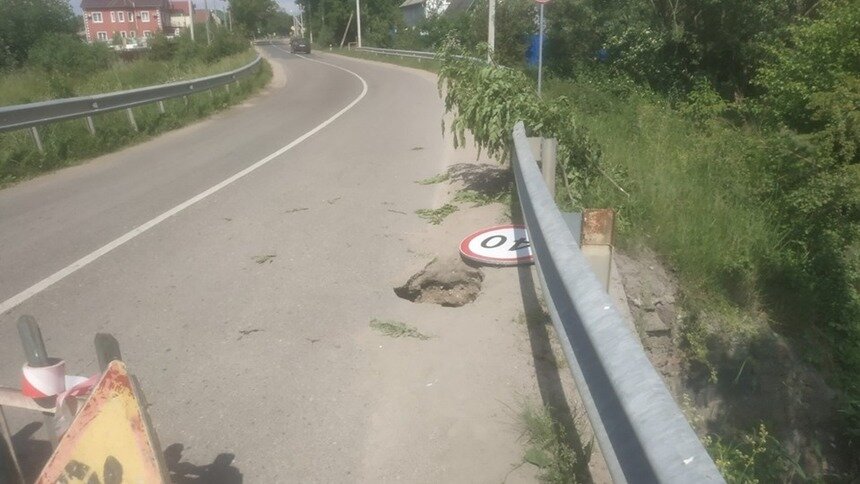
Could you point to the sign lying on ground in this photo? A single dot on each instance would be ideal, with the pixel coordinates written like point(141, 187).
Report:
point(111, 440)
point(503, 245)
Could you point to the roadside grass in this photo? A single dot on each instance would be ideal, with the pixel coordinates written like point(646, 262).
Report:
point(549, 449)
point(431, 65)
point(69, 142)
point(479, 198)
point(397, 329)
point(690, 199)
point(27, 85)
point(441, 177)
point(436, 215)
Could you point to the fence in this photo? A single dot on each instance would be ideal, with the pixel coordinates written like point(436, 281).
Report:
point(642, 433)
point(32, 115)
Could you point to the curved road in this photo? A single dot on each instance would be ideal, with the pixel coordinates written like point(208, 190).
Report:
point(244, 313)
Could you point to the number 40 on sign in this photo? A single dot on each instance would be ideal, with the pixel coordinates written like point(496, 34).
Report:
point(506, 245)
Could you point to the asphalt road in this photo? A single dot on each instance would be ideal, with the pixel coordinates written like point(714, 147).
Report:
point(241, 302)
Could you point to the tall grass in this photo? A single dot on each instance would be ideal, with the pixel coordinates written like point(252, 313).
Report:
point(69, 141)
point(30, 84)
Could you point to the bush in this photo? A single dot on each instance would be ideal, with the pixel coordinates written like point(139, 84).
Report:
point(161, 48)
point(225, 43)
point(65, 53)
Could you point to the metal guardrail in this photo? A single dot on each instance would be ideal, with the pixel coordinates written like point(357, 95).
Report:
point(417, 54)
point(400, 53)
point(642, 433)
point(34, 114)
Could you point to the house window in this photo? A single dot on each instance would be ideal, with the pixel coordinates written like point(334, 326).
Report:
point(147, 34)
point(130, 16)
point(121, 16)
point(102, 35)
point(97, 17)
point(122, 34)
point(113, 16)
point(144, 16)
point(132, 34)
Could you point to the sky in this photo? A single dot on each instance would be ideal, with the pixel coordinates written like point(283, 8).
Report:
point(288, 5)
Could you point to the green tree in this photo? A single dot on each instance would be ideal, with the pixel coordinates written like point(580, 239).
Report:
point(24, 22)
point(251, 16)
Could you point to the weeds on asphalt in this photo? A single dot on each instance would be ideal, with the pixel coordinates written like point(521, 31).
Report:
point(549, 449)
point(397, 329)
point(441, 177)
point(436, 215)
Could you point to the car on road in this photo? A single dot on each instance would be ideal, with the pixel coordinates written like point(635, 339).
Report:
point(299, 44)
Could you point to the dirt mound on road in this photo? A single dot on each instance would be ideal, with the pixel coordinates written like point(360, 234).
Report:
point(448, 282)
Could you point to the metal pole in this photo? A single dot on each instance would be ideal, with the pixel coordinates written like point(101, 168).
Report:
point(548, 152)
point(91, 127)
point(358, 20)
point(38, 139)
point(191, 18)
point(208, 34)
point(540, 52)
point(131, 118)
point(491, 30)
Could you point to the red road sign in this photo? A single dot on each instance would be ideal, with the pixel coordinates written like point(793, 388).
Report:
point(502, 245)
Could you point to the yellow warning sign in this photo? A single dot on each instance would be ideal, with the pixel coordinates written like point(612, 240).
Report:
point(110, 441)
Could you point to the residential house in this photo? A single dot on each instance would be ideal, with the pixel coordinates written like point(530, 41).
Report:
point(130, 19)
point(179, 18)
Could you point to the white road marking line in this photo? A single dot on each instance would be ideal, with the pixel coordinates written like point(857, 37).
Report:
point(56, 277)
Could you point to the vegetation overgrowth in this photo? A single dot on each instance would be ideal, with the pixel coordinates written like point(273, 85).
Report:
point(42, 58)
point(727, 141)
point(60, 66)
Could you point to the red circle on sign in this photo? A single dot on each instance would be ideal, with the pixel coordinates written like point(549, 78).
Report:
point(470, 250)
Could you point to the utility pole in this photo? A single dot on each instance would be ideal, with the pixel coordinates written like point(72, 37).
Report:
point(191, 18)
point(358, 20)
point(491, 30)
point(208, 14)
point(540, 47)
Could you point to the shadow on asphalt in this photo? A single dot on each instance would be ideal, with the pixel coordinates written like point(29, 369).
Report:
point(220, 471)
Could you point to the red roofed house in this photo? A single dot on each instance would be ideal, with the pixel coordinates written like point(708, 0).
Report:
point(131, 19)
point(179, 15)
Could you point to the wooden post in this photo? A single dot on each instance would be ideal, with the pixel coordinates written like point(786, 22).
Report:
point(38, 139)
point(107, 350)
point(37, 356)
point(131, 118)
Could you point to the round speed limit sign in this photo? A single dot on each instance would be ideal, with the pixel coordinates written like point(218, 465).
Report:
point(504, 245)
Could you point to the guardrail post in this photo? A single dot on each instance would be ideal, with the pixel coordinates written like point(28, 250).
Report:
point(211, 94)
point(227, 87)
point(548, 151)
point(161, 107)
point(131, 118)
point(91, 126)
point(38, 139)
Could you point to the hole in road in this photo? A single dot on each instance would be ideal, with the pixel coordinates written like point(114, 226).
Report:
point(447, 282)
